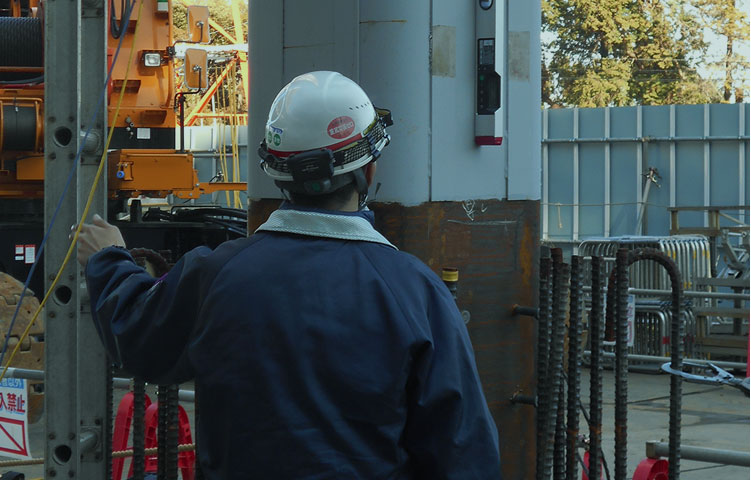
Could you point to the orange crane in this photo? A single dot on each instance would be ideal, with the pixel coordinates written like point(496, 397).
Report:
point(144, 159)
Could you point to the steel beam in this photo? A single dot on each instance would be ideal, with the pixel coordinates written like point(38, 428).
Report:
point(62, 93)
point(93, 366)
point(74, 77)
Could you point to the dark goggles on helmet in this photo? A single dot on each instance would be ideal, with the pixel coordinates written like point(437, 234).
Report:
point(367, 145)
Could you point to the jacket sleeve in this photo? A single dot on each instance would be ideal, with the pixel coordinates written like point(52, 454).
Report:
point(450, 433)
point(146, 323)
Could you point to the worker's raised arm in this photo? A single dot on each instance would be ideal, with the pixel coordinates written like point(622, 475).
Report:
point(145, 323)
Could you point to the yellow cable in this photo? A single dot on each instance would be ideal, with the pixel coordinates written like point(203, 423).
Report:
point(233, 130)
point(89, 201)
point(222, 139)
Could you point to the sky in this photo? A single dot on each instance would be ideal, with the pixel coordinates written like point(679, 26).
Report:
point(717, 48)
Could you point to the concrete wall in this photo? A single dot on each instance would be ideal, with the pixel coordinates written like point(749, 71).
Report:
point(418, 59)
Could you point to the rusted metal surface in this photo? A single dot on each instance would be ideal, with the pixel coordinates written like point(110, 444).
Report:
point(495, 246)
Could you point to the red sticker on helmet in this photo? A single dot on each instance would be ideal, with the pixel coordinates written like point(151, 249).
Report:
point(341, 127)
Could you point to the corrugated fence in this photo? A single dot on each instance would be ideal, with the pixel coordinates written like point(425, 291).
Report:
point(595, 163)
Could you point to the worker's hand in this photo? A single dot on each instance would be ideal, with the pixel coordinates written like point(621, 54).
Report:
point(96, 236)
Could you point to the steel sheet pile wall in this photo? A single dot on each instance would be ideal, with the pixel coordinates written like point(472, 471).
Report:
point(594, 161)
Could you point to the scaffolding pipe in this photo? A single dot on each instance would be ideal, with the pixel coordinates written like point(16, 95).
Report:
point(661, 360)
point(687, 293)
point(700, 454)
point(184, 395)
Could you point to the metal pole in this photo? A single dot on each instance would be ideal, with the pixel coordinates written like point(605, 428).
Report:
point(642, 207)
point(94, 388)
point(181, 103)
point(700, 454)
point(688, 293)
point(661, 360)
point(62, 136)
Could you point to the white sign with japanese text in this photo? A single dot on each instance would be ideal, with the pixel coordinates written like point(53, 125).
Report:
point(631, 316)
point(14, 432)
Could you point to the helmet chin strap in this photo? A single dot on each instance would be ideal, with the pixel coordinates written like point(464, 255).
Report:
point(361, 184)
point(356, 177)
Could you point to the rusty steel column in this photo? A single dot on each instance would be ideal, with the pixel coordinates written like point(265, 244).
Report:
point(497, 250)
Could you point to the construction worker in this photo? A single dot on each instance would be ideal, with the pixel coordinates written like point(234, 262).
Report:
point(319, 349)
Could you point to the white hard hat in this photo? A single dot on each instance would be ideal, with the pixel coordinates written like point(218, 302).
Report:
point(321, 125)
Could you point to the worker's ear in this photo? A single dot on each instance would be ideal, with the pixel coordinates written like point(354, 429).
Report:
point(370, 170)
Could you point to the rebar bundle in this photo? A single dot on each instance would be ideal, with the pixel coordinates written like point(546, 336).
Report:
point(621, 363)
point(615, 292)
point(555, 358)
point(171, 450)
point(107, 424)
point(596, 333)
point(543, 342)
point(139, 414)
point(574, 361)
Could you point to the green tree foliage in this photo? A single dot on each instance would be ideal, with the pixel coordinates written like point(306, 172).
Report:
point(729, 22)
point(220, 11)
point(623, 52)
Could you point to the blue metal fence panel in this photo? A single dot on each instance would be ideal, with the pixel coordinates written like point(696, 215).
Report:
point(623, 189)
point(595, 160)
point(591, 190)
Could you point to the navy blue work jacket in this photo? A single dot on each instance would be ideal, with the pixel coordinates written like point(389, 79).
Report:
point(318, 349)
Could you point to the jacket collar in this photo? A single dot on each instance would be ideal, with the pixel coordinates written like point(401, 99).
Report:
point(314, 222)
